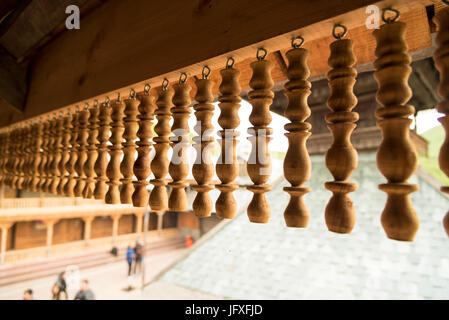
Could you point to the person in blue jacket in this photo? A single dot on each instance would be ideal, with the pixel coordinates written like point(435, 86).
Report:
point(130, 256)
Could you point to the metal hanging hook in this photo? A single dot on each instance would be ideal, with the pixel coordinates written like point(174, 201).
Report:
point(95, 103)
point(86, 106)
point(183, 77)
point(205, 72)
point(297, 42)
point(118, 97)
point(264, 54)
point(340, 35)
point(146, 89)
point(390, 19)
point(230, 63)
point(165, 84)
point(132, 94)
point(107, 101)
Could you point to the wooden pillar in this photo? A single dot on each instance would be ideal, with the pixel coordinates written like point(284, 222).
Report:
point(160, 220)
point(102, 160)
point(158, 196)
point(441, 58)
point(87, 228)
point(57, 151)
point(65, 155)
point(70, 165)
point(142, 165)
point(92, 155)
point(115, 224)
point(397, 159)
point(129, 148)
point(4, 230)
point(50, 228)
point(203, 169)
point(259, 162)
point(83, 135)
point(50, 154)
point(297, 164)
point(179, 166)
point(341, 158)
point(139, 222)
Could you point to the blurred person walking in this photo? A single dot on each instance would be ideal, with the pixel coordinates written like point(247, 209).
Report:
point(85, 293)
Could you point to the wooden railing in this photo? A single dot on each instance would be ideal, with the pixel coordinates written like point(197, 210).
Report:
point(18, 203)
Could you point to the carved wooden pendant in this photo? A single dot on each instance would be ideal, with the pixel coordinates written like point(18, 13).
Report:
point(115, 151)
point(341, 158)
point(45, 157)
point(102, 160)
point(57, 151)
point(259, 162)
point(83, 135)
point(227, 165)
point(10, 159)
point(160, 163)
point(21, 145)
point(142, 168)
point(441, 58)
point(65, 154)
point(29, 155)
point(179, 167)
point(297, 165)
point(396, 155)
point(69, 187)
point(92, 153)
point(203, 168)
point(129, 148)
point(50, 154)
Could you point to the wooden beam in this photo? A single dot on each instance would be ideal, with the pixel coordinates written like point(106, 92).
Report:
point(13, 86)
point(150, 40)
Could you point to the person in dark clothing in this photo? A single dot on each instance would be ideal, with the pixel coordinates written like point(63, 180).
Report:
point(85, 293)
point(139, 255)
point(60, 287)
point(130, 256)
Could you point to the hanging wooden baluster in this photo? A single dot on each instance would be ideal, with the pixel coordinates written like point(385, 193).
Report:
point(203, 169)
point(227, 165)
point(19, 157)
point(259, 163)
point(341, 158)
point(129, 147)
point(83, 135)
point(37, 156)
point(12, 157)
point(441, 58)
point(69, 187)
point(92, 153)
point(30, 137)
point(179, 166)
point(115, 150)
point(3, 157)
point(102, 161)
point(50, 154)
point(44, 158)
point(23, 152)
point(297, 164)
point(142, 167)
point(65, 153)
point(57, 155)
point(396, 155)
point(159, 165)
point(33, 137)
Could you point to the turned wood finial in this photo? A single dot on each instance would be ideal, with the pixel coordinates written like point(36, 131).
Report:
point(83, 135)
point(45, 157)
point(65, 155)
point(259, 162)
point(160, 163)
point(441, 58)
point(50, 154)
point(57, 151)
point(142, 168)
point(227, 165)
point(203, 168)
point(129, 147)
point(102, 160)
point(297, 164)
point(69, 187)
point(92, 153)
point(396, 155)
point(341, 158)
point(115, 151)
point(179, 166)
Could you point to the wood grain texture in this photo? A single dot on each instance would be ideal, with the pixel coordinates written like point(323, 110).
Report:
point(396, 155)
point(259, 162)
point(227, 167)
point(142, 165)
point(297, 165)
point(441, 57)
point(203, 168)
point(159, 166)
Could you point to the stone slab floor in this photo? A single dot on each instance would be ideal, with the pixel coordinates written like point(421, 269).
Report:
point(109, 281)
